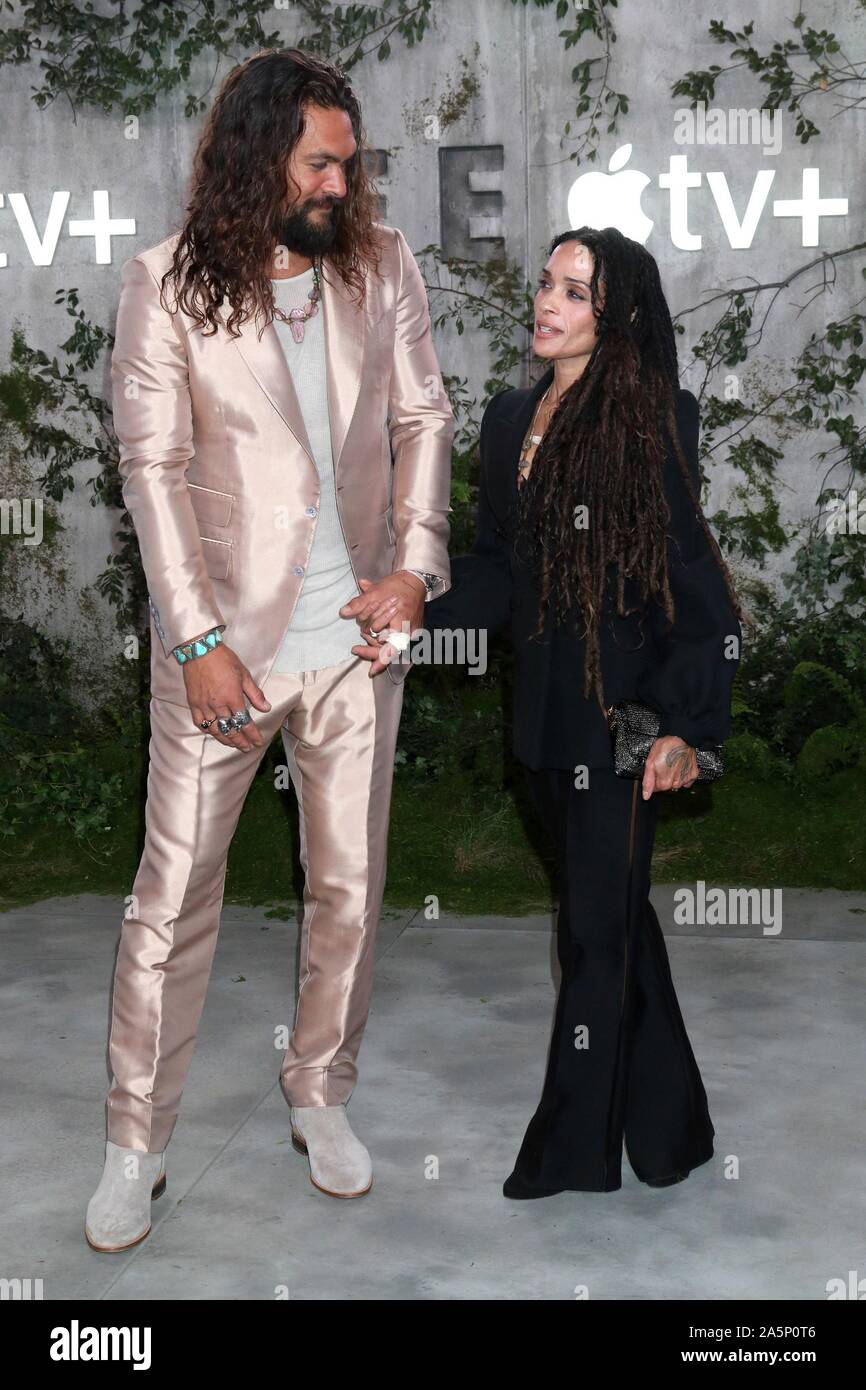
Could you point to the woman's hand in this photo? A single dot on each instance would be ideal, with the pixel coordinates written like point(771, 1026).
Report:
point(671, 763)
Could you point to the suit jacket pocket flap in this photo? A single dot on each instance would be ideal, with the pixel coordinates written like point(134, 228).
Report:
point(217, 557)
point(210, 506)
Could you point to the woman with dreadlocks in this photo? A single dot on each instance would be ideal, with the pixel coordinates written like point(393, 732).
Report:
point(592, 543)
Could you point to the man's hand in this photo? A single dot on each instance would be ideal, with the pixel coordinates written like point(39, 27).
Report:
point(397, 601)
point(671, 763)
point(218, 685)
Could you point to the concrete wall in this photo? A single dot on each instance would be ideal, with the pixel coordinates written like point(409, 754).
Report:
point(469, 124)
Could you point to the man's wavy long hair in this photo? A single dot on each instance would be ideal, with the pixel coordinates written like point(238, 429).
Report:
point(240, 189)
point(605, 449)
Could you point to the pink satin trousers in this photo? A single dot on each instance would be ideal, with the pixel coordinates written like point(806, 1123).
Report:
point(339, 730)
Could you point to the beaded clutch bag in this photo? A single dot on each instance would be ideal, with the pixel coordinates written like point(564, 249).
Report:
point(635, 728)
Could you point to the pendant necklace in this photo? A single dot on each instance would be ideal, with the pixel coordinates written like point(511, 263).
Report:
point(296, 318)
point(524, 464)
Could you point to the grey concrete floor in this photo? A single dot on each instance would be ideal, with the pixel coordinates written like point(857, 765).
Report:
point(450, 1072)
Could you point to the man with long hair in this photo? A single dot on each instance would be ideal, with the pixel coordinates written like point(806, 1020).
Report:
point(286, 479)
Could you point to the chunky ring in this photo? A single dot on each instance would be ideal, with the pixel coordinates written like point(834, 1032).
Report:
point(241, 717)
point(224, 725)
point(205, 723)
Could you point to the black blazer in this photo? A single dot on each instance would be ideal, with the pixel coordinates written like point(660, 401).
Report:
point(685, 671)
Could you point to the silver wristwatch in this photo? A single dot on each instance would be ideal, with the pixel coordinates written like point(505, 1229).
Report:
point(430, 581)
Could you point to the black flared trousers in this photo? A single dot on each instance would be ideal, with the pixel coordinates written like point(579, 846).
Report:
point(620, 1064)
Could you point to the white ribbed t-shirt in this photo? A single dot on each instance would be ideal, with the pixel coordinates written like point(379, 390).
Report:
point(317, 636)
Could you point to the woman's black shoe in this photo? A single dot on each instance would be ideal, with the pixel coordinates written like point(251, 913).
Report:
point(667, 1182)
point(514, 1186)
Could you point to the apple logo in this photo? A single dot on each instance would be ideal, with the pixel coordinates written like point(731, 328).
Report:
point(611, 199)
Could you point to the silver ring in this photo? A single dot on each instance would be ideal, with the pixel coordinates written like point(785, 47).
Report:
point(241, 718)
point(373, 633)
point(224, 725)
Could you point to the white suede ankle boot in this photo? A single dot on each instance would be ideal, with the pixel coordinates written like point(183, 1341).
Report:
point(118, 1213)
point(339, 1163)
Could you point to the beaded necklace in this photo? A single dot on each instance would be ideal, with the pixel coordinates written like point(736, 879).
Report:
point(296, 318)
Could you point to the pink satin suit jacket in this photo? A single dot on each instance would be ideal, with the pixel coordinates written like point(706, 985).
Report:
point(216, 464)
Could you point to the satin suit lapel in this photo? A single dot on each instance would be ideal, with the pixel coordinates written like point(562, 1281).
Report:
point(344, 353)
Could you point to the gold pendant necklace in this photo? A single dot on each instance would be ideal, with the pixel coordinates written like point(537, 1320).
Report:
point(524, 464)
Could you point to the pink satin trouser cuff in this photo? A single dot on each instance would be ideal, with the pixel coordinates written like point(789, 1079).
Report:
point(339, 730)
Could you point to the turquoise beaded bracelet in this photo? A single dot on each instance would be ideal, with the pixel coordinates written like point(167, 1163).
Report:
point(188, 651)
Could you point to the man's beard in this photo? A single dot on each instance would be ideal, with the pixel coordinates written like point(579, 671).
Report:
point(308, 236)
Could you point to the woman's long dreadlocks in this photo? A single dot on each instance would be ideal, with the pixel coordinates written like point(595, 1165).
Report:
point(604, 449)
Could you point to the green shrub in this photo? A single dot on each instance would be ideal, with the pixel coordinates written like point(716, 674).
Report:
point(777, 642)
point(830, 749)
point(750, 754)
point(815, 697)
point(65, 787)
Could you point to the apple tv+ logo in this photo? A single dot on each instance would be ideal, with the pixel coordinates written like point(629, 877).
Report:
point(614, 200)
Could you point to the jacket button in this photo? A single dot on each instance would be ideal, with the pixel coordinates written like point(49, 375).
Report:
point(311, 511)
point(297, 569)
